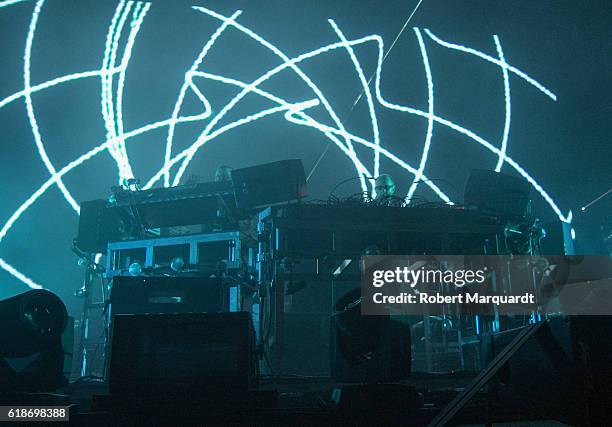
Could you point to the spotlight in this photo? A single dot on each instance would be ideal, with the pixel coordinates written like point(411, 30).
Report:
point(497, 194)
point(31, 322)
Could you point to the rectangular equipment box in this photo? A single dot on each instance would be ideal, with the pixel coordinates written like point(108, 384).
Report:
point(161, 294)
point(182, 354)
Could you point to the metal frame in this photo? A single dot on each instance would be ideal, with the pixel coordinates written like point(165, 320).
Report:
point(234, 260)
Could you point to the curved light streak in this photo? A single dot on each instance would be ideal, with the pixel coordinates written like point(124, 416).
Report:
point(107, 80)
point(188, 82)
point(430, 111)
point(508, 105)
point(326, 130)
point(368, 95)
point(138, 16)
point(17, 274)
point(493, 60)
point(9, 2)
point(30, 108)
point(287, 62)
point(116, 144)
point(58, 80)
point(110, 122)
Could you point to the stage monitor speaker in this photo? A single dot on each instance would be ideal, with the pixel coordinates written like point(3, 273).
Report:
point(557, 239)
point(269, 184)
point(497, 194)
point(182, 354)
point(561, 373)
point(367, 348)
point(97, 226)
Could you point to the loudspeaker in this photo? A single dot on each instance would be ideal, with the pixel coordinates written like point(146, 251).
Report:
point(97, 226)
point(270, 183)
point(367, 348)
point(182, 354)
point(497, 194)
point(562, 372)
point(557, 239)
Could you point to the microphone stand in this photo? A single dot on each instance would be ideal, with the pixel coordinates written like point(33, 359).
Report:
point(91, 270)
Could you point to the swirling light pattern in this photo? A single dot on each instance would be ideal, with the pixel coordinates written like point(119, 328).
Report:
point(111, 102)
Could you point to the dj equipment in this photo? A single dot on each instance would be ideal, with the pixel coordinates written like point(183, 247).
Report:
point(182, 354)
point(218, 205)
point(31, 353)
point(167, 207)
point(309, 253)
point(310, 230)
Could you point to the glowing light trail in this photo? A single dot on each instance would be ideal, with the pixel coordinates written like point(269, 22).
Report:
point(9, 2)
point(508, 104)
point(368, 94)
point(430, 111)
point(188, 82)
point(30, 109)
point(294, 112)
point(56, 81)
point(107, 82)
point(138, 16)
point(327, 130)
point(13, 271)
point(493, 60)
point(287, 63)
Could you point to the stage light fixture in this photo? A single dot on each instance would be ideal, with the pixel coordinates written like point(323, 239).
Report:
point(31, 352)
point(367, 348)
point(32, 321)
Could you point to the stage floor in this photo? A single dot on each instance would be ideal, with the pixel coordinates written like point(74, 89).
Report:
point(291, 400)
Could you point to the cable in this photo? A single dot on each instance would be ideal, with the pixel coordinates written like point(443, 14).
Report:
point(331, 193)
point(368, 85)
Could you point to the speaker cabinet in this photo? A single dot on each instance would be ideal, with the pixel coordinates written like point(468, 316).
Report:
point(184, 354)
point(562, 372)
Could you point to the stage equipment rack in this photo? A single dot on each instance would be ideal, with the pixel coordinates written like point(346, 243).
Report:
point(196, 249)
point(203, 254)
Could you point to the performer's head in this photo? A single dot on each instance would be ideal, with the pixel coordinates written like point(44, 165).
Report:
point(384, 186)
point(223, 174)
